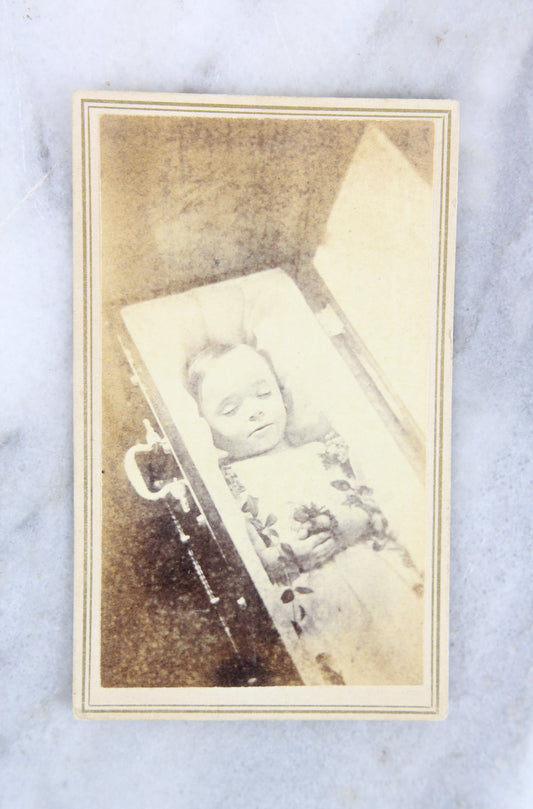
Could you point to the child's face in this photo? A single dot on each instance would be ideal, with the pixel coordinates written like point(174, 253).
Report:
point(242, 403)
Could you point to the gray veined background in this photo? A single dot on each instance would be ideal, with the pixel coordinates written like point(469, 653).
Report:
point(482, 756)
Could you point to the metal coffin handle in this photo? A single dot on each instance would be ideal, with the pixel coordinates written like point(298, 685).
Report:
point(175, 487)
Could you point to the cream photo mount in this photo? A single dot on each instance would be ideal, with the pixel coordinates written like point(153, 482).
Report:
point(316, 238)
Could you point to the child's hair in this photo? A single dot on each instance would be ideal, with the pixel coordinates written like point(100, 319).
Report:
point(197, 367)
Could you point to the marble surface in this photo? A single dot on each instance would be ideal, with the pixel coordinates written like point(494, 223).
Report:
point(482, 755)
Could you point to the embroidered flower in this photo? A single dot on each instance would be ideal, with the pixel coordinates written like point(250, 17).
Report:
point(336, 453)
point(230, 476)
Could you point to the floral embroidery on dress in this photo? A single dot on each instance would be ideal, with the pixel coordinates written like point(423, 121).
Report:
point(230, 476)
point(378, 531)
point(336, 453)
point(305, 498)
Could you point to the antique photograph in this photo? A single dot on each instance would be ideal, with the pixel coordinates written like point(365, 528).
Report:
point(263, 335)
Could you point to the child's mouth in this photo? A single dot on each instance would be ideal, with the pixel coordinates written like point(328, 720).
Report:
point(259, 430)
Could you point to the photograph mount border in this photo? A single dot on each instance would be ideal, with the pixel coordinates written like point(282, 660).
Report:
point(84, 104)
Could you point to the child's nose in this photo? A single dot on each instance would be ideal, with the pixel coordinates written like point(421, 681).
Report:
point(255, 410)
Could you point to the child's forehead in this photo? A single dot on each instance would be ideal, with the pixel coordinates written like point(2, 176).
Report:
point(242, 363)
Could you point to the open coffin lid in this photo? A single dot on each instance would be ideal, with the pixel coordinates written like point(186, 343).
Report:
point(364, 255)
point(376, 259)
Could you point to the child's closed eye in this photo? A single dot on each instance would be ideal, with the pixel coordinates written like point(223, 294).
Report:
point(229, 408)
point(262, 390)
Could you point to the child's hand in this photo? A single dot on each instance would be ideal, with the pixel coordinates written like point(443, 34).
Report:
point(315, 525)
point(315, 541)
point(315, 550)
point(355, 524)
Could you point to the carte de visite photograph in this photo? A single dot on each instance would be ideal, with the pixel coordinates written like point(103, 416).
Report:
point(263, 317)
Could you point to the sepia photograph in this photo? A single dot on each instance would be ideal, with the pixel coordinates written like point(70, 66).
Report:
point(263, 335)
